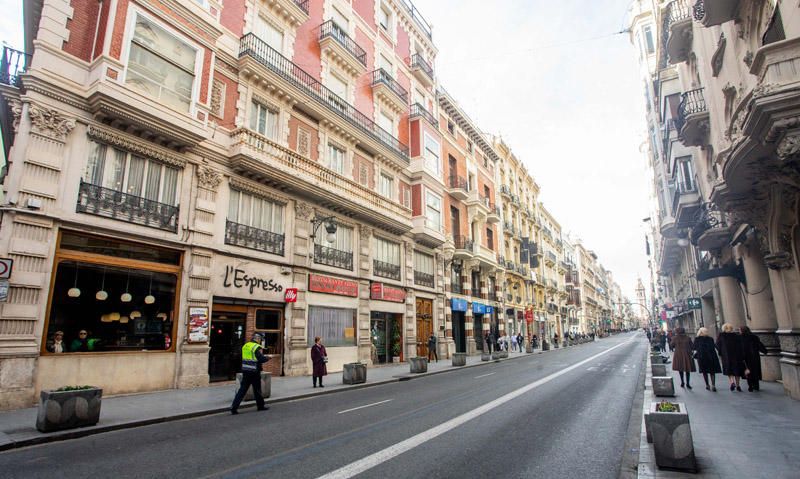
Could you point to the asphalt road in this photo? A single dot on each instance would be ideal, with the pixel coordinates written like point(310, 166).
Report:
point(558, 415)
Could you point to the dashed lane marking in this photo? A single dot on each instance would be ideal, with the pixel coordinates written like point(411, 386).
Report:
point(366, 405)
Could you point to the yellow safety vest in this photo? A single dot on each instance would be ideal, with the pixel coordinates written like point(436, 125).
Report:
point(249, 358)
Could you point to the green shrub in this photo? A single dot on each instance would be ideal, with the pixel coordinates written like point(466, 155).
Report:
point(73, 388)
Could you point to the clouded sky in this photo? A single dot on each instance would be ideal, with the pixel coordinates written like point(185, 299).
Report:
point(551, 77)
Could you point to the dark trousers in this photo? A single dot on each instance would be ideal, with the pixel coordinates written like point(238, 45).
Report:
point(752, 382)
point(433, 353)
point(249, 378)
point(314, 378)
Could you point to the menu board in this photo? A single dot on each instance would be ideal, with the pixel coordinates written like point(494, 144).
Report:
point(198, 325)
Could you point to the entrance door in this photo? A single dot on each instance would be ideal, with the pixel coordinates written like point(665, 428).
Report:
point(227, 338)
point(459, 332)
point(424, 325)
point(269, 322)
point(477, 330)
point(379, 336)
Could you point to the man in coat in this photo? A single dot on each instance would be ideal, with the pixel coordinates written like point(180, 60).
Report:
point(751, 347)
point(432, 348)
point(252, 359)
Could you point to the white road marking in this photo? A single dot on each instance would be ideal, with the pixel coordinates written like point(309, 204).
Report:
point(391, 452)
point(483, 375)
point(362, 407)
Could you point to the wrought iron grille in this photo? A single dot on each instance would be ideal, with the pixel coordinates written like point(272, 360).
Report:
point(678, 11)
point(691, 102)
point(381, 76)
point(708, 217)
point(252, 46)
point(459, 183)
point(303, 4)
point(463, 242)
point(699, 10)
point(330, 29)
point(423, 279)
point(418, 110)
point(418, 62)
point(333, 257)
point(455, 285)
point(13, 64)
point(386, 270)
point(253, 238)
point(421, 22)
point(510, 265)
point(100, 201)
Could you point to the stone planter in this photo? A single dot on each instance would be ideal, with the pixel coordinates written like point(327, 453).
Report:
point(266, 386)
point(529, 349)
point(545, 346)
point(68, 409)
point(396, 359)
point(419, 365)
point(486, 356)
point(663, 386)
point(354, 373)
point(658, 369)
point(671, 436)
point(496, 355)
point(503, 354)
point(460, 359)
point(656, 359)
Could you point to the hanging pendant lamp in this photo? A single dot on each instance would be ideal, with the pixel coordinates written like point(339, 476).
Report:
point(74, 292)
point(150, 299)
point(126, 296)
point(102, 295)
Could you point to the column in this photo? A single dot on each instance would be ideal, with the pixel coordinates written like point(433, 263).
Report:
point(731, 299)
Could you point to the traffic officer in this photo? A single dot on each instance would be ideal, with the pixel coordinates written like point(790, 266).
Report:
point(252, 359)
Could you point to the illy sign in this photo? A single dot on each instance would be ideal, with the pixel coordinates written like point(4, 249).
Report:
point(291, 295)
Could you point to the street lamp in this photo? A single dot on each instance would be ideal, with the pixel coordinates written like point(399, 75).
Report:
point(330, 228)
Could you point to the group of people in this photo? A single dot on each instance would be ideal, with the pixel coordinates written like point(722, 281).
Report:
point(516, 342)
point(83, 343)
point(739, 354)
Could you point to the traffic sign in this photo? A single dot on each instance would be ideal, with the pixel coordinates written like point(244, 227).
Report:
point(5, 267)
point(693, 303)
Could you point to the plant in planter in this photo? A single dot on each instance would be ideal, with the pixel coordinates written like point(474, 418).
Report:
point(68, 407)
point(667, 424)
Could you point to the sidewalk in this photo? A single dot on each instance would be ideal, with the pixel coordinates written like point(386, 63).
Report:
point(17, 427)
point(735, 434)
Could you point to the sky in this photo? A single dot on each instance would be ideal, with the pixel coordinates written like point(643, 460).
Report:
point(564, 92)
point(555, 81)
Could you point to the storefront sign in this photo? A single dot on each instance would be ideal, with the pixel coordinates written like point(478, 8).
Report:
point(238, 278)
point(694, 303)
point(291, 295)
point(489, 309)
point(528, 316)
point(248, 280)
point(478, 308)
point(198, 325)
point(384, 292)
point(458, 304)
point(326, 284)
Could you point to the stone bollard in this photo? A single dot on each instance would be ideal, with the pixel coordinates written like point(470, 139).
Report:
point(656, 359)
point(460, 359)
point(266, 386)
point(496, 355)
point(354, 373)
point(68, 409)
point(663, 386)
point(418, 365)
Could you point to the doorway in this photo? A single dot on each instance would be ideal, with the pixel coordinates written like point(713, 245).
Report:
point(386, 336)
point(424, 325)
point(227, 339)
point(477, 330)
point(459, 332)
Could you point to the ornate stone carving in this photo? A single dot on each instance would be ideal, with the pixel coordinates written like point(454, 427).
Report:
point(409, 248)
point(16, 111)
point(303, 142)
point(208, 177)
point(217, 98)
point(783, 219)
point(51, 123)
point(788, 148)
point(748, 59)
point(303, 210)
point(134, 145)
point(719, 55)
point(365, 232)
point(764, 89)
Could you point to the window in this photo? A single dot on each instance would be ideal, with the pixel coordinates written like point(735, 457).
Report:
point(250, 210)
point(419, 97)
point(386, 186)
point(336, 158)
point(405, 193)
point(340, 19)
point(269, 33)
point(386, 122)
point(386, 251)
point(339, 88)
point(336, 327)
point(385, 17)
point(386, 64)
point(648, 38)
point(119, 170)
point(451, 127)
point(423, 263)
point(469, 146)
point(432, 149)
point(433, 211)
point(264, 120)
point(490, 239)
point(343, 241)
point(686, 174)
point(160, 65)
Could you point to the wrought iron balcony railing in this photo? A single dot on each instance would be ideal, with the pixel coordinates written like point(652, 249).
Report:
point(333, 257)
point(677, 11)
point(381, 76)
point(708, 217)
point(418, 110)
point(100, 201)
point(418, 62)
point(253, 238)
point(510, 265)
point(504, 189)
point(463, 242)
point(458, 183)
point(331, 29)
point(13, 64)
point(421, 22)
point(691, 102)
point(699, 10)
point(255, 48)
point(491, 296)
point(501, 260)
point(456, 287)
point(386, 270)
point(423, 279)
point(303, 4)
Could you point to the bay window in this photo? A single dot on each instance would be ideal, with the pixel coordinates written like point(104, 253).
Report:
point(432, 149)
point(433, 211)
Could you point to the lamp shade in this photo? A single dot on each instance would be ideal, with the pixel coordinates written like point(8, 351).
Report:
point(126, 297)
point(101, 295)
point(74, 292)
point(149, 299)
point(123, 319)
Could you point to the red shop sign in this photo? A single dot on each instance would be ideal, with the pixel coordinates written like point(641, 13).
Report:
point(291, 295)
point(383, 292)
point(528, 316)
point(326, 284)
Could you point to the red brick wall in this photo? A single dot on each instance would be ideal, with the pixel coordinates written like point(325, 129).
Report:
point(364, 102)
point(415, 146)
point(306, 46)
point(366, 10)
point(228, 119)
point(402, 132)
point(358, 161)
point(403, 47)
point(81, 28)
point(105, 10)
point(416, 200)
point(232, 17)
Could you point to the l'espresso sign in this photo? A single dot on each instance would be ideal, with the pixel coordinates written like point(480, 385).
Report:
point(262, 282)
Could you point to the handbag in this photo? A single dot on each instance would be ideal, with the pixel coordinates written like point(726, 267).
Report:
point(324, 359)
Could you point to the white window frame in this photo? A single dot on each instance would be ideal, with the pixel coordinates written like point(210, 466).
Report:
point(432, 157)
point(385, 11)
point(268, 22)
point(340, 166)
point(386, 185)
point(257, 107)
point(382, 115)
point(429, 222)
point(255, 211)
point(424, 263)
point(386, 251)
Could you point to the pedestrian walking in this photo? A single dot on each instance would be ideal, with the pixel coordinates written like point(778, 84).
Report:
point(751, 347)
point(662, 341)
point(489, 339)
point(319, 360)
point(682, 360)
point(514, 341)
point(252, 359)
point(432, 348)
point(729, 345)
point(535, 341)
point(670, 335)
point(520, 341)
point(707, 359)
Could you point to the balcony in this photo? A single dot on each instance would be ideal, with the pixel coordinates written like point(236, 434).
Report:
point(685, 205)
point(458, 188)
point(421, 70)
point(508, 228)
point(550, 258)
point(506, 191)
point(485, 257)
point(678, 27)
point(692, 122)
point(715, 12)
point(295, 11)
point(253, 238)
point(427, 232)
point(465, 247)
point(333, 257)
point(343, 50)
point(501, 260)
point(386, 89)
point(419, 111)
point(260, 158)
point(510, 265)
point(108, 203)
point(494, 215)
point(711, 230)
point(12, 66)
point(423, 279)
point(477, 206)
point(419, 20)
point(671, 255)
point(260, 61)
point(386, 270)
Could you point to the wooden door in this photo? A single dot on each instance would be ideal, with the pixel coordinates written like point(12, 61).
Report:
point(424, 325)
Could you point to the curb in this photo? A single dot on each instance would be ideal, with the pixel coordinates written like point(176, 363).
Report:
point(78, 433)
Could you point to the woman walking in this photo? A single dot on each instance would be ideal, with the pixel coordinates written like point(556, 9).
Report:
point(682, 358)
point(707, 359)
point(751, 346)
point(319, 359)
point(729, 345)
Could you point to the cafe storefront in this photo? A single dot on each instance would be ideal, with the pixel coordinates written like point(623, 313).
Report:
point(387, 307)
point(332, 315)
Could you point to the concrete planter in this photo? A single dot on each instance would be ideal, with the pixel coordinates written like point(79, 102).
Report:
point(658, 369)
point(663, 386)
point(266, 386)
point(496, 355)
point(503, 354)
point(529, 349)
point(460, 359)
point(671, 436)
point(419, 365)
point(486, 356)
point(545, 346)
point(354, 373)
point(656, 359)
point(68, 409)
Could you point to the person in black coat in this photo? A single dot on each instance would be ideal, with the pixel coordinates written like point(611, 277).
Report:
point(751, 347)
point(729, 345)
point(707, 359)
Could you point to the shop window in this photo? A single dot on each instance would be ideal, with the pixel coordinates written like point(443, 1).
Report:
point(336, 327)
point(264, 120)
point(160, 65)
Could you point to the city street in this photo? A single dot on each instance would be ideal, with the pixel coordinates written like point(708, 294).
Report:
point(560, 414)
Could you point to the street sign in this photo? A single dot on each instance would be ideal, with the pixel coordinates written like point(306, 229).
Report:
point(3, 290)
point(5, 267)
point(693, 303)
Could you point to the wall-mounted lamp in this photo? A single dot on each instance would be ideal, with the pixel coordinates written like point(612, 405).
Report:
point(330, 228)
